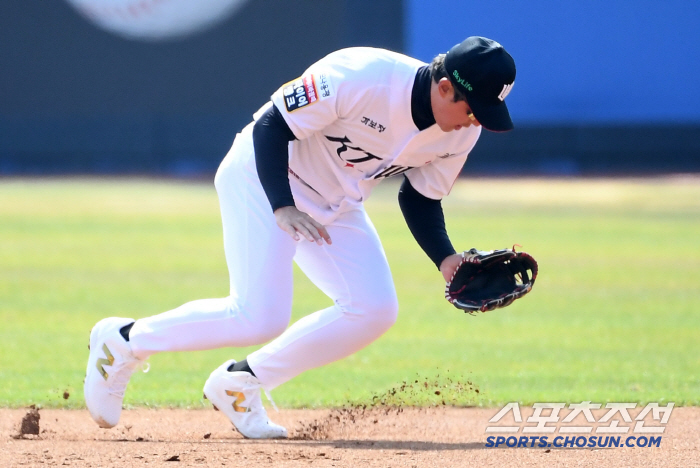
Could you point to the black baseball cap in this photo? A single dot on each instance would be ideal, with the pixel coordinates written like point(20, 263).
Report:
point(483, 70)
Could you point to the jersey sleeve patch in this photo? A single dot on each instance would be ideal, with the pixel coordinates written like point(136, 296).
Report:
point(325, 87)
point(300, 93)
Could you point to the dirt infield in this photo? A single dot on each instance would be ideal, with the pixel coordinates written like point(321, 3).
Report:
point(410, 437)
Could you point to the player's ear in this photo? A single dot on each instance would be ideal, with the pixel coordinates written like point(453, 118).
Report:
point(445, 88)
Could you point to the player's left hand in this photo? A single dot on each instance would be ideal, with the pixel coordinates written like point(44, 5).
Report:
point(487, 280)
point(295, 222)
point(449, 266)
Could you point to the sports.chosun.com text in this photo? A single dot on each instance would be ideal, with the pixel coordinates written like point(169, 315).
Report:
point(572, 441)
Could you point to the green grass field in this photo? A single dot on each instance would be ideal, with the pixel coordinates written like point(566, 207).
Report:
point(614, 316)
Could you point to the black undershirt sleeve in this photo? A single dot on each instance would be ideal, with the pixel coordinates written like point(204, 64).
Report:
point(271, 137)
point(426, 221)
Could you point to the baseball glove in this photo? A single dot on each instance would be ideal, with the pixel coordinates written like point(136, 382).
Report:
point(487, 280)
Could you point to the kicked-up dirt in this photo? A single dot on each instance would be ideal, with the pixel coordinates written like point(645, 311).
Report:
point(347, 437)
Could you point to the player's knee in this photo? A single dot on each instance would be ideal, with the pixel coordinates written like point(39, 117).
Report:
point(269, 330)
point(268, 321)
point(261, 321)
point(390, 312)
point(381, 313)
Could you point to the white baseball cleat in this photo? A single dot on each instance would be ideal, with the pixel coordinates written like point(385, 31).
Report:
point(109, 369)
point(237, 395)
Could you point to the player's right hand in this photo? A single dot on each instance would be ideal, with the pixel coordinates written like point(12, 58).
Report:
point(295, 223)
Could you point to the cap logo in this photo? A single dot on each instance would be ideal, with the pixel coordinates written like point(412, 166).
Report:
point(462, 81)
point(505, 91)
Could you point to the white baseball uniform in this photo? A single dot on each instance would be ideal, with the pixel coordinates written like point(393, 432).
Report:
point(351, 114)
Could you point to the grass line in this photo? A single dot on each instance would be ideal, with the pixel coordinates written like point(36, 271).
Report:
point(614, 315)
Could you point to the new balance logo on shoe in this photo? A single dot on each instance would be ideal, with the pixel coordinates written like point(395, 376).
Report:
point(101, 362)
point(109, 368)
point(240, 398)
point(228, 391)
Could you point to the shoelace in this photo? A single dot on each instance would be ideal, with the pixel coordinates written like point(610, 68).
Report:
point(269, 398)
point(256, 388)
point(122, 374)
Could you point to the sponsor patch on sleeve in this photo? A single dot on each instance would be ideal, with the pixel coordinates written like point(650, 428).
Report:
point(300, 93)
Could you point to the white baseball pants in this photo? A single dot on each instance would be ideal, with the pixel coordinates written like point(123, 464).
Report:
point(353, 272)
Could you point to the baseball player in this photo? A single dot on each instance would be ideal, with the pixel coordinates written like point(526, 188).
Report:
point(292, 188)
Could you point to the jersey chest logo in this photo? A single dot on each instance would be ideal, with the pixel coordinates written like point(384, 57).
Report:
point(351, 158)
point(354, 155)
